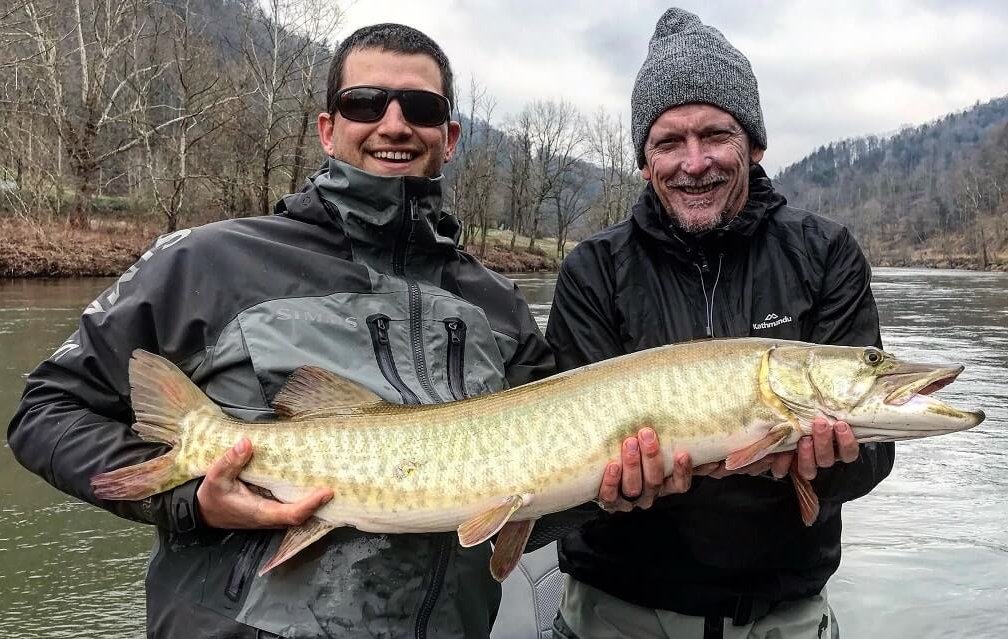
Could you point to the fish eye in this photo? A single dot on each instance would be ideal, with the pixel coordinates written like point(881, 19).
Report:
point(873, 356)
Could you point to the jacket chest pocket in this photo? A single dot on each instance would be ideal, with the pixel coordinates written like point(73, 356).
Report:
point(428, 349)
point(447, 353)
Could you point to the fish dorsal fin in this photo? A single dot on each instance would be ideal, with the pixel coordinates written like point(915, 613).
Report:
point(311, 391)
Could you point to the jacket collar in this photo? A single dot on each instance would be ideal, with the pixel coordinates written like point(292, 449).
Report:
point(371, 209)
point(649, 216)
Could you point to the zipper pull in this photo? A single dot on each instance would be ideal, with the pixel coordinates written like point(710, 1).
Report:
point(453, 332)
point(382, 330)
point(704, 267)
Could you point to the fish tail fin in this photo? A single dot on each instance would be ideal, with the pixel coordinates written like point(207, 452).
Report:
point(162, 397)
point(140, 480)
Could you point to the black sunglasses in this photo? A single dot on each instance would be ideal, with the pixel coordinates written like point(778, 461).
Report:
point(368, 104)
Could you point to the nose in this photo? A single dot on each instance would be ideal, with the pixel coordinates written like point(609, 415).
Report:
point(696, 159)
point(393, 124)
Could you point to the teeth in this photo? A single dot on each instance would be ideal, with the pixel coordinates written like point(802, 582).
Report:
point(394, 155)
point(697, 190)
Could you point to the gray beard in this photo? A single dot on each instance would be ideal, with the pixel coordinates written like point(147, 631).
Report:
point(693, 225)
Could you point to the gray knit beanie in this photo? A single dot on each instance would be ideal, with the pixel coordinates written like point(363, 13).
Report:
point(690, 62)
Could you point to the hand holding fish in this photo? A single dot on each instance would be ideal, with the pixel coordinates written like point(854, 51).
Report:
point(827, 444)
point(227, 502)
point(639, 477)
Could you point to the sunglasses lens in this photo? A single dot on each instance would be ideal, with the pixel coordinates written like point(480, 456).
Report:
point(424, 108)
point(363, 104)
point(368, 104)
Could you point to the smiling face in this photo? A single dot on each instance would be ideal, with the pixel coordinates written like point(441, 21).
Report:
point(697, 158)
point(390, 146)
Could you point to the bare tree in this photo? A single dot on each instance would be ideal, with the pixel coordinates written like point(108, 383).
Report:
point(518, 144)
point(609, 147)
point(278, 51)
point(571, 201)
point(476, 165)
point(323, 18)
point(556, 133)
point(196, 88)
point(89, 80)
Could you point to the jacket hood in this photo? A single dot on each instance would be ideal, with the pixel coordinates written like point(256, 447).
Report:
point(649, 216)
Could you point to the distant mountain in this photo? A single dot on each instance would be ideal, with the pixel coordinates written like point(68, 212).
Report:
point(941, 183)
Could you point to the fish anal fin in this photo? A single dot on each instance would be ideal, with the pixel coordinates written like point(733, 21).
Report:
point(808, 501)
point(311, 391)
point(486, 524)
point(509, 547)
point(296, 540)
point(759, 448)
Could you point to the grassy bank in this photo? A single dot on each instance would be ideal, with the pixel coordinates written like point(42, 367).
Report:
point(109, 246)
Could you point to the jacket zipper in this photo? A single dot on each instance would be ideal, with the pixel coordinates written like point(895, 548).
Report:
point(251, 552)
point(456, 357)
point(378, 325)
point(702, 267)
point(415, 307)
point(420, 365)
point(444, 547)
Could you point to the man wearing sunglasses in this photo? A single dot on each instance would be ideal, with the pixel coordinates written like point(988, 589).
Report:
point(711, 250)
point(359, 273)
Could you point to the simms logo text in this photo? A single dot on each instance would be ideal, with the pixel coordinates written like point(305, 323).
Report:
point(320, 317)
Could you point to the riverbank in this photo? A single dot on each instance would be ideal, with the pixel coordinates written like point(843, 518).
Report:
point(109, 247)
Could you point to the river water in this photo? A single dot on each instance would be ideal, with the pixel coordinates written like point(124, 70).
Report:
point(924, 555)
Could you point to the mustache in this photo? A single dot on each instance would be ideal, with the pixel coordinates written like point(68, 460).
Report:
point(686, 181)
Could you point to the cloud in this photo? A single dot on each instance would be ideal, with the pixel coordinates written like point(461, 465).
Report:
point(826, 70)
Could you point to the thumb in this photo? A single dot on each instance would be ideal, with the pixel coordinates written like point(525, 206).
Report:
point(229, 465)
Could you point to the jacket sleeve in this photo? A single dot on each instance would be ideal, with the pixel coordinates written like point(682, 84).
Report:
point(532, 358)
point(582, 326)
point(846, 315)
point(73, 419)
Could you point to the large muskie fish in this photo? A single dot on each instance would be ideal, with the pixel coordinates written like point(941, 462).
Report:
point(493, 464)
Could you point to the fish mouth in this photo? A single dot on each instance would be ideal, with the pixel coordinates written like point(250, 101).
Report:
point(909, 410)
point(911, 380)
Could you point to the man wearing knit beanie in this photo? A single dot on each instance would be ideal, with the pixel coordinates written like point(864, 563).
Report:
point(711, 250)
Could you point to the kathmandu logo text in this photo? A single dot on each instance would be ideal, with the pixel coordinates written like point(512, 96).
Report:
point(771, 320)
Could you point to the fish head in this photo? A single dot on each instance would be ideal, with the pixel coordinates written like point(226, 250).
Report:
point(882, 397)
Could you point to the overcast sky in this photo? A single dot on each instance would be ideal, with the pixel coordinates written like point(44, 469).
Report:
point(826, 70)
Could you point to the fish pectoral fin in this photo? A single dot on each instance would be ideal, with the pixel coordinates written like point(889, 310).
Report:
point(808, 501)
point(296, 540)
point(760, 448)
point(509, 547)
point(311, 391)
point(486, 524)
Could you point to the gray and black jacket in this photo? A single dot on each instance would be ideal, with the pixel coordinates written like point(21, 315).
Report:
point(733, 547)
point(358, 274)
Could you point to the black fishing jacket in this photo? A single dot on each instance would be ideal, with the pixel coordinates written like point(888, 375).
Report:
point(731, 547)
point(357, 273)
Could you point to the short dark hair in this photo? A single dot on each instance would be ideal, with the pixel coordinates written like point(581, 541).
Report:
point(388, 36)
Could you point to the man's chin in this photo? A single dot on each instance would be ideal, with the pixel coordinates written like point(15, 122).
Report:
point(698, 221)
